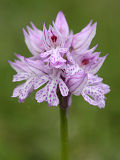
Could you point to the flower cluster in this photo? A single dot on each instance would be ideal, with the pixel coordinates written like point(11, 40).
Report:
point(61, 62)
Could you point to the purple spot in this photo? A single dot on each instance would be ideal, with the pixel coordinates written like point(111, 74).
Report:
point(85, 61)
point(54, 38)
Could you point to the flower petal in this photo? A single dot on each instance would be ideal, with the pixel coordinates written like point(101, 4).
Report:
point(89, 100)
point(61, 24)
point(27, 89)
point(77, 82)
point(63, 88)
point(37, 66)
point(16, 67)
point(41, 95)
point(51, 93)
point(84, 38)
point(94, 79)
point(21, 76)
point(48, 93)
point(98, 64)
point(33, 39)
point(46, 41)
point(56, 59)
point(16, 91)
point(94, 95)
point(23, 91)
point(19, 65)
point(40, 81)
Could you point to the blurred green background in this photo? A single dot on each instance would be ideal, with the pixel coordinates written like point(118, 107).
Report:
point(30, 131)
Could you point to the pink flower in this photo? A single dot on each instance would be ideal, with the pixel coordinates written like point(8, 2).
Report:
point(63, 63)
point(36, 74)
point(62, 25)
point(52, 44)
point(90, 62)
point(49, 92)
point(33, 40)
point(77, 82)
point(27, 70)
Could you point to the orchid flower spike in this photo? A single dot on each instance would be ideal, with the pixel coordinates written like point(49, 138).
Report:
point(61, 61)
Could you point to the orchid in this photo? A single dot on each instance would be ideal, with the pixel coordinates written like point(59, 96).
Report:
point(62, 64)
point(60, 58)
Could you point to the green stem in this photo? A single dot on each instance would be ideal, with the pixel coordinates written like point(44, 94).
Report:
point(64, 133)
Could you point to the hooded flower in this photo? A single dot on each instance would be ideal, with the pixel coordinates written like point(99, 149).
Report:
point(77, 82)
point(27, 70)
point(85, 57)
point(54, 47)
point(33, 40)
point(89, 86)
point(49, 92)
point(35, 73)
point(51, 45)
point(62, 64)
point(91, 62)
